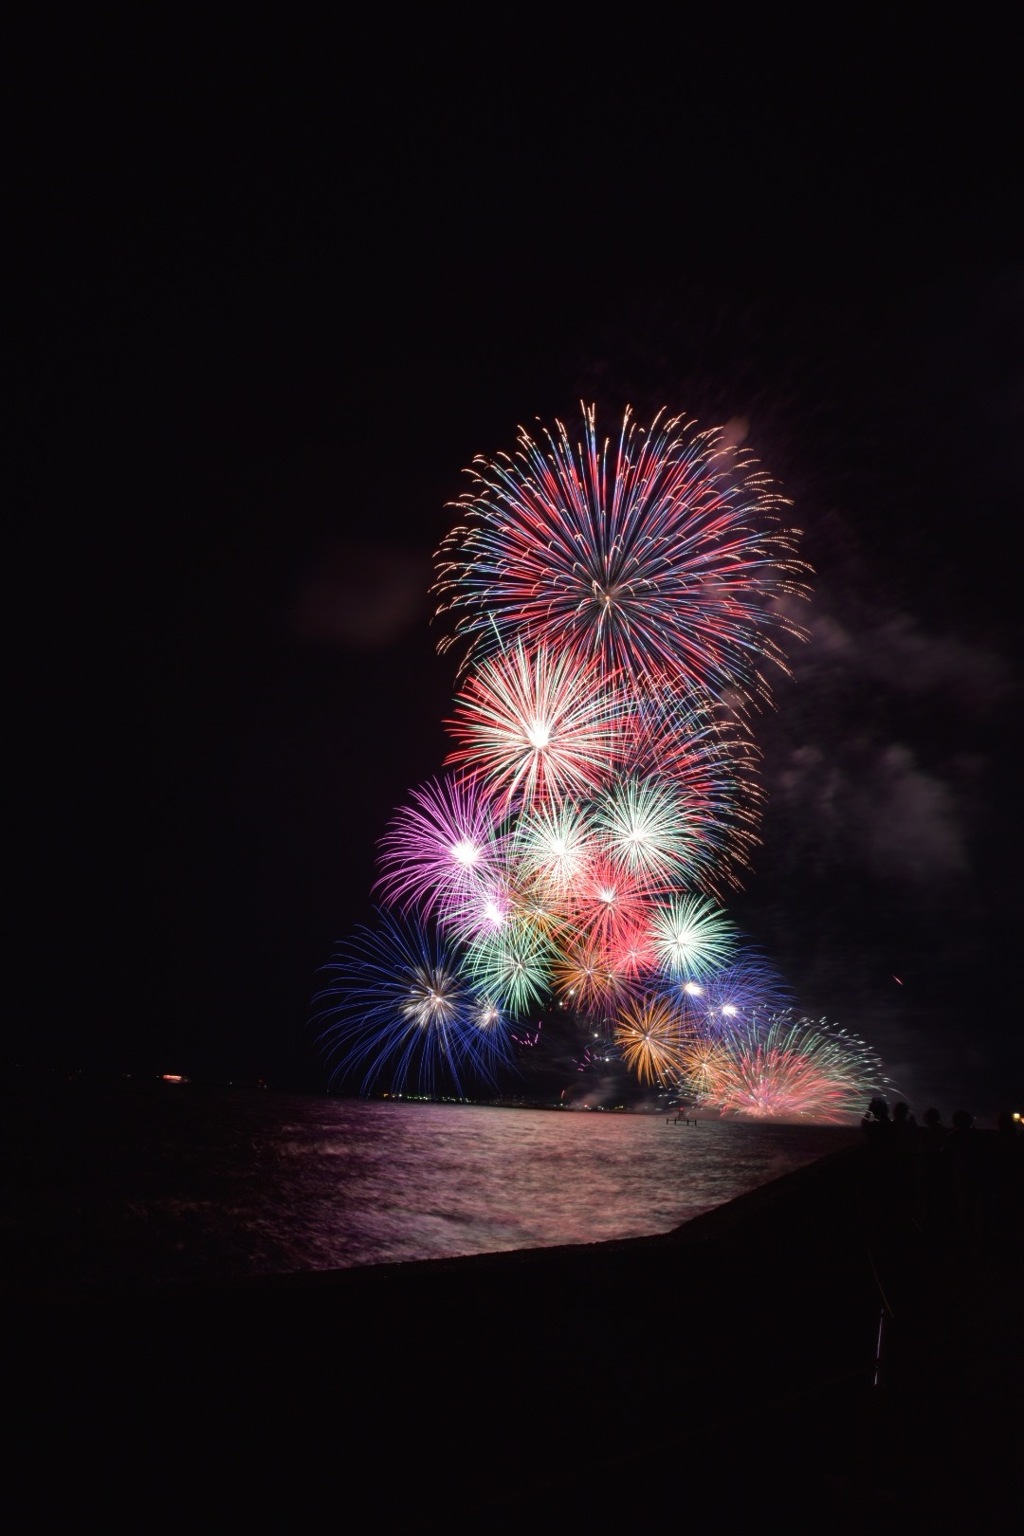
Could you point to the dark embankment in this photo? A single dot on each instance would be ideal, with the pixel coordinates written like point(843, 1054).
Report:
point(730, 1369)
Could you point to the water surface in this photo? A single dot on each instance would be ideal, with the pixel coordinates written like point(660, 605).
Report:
point(140, 1180)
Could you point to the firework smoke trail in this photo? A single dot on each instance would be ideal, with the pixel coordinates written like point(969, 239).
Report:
point(664, 558)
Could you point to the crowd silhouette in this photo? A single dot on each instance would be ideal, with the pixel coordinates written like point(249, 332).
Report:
point(949, 1184)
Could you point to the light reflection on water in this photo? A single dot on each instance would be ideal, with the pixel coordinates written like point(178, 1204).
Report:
point(152, 1182)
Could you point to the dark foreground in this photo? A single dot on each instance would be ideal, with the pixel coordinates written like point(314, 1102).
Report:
point(731, 1369)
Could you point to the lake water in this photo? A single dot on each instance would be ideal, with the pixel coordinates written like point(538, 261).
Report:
point(125, 1181)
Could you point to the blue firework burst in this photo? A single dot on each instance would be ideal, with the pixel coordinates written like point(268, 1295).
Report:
point(398, 1007)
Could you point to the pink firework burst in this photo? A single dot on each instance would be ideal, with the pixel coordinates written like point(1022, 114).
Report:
point(630, 950)
point(609, 906)
point(441, 851)
point(786, 1068)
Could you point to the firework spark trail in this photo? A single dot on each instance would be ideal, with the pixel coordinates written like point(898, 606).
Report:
point(608, 904)
point(665, 560)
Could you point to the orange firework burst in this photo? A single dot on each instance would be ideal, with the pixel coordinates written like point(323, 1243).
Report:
point(702, 1062)
point(652, 1037)
point(586, 978)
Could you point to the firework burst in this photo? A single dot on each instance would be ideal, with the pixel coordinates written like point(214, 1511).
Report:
point(511, 965)
point(441, 851)
point(703, 1063)
point(788, 1068)
point(663, 557)
point(532, 726)
point(720, 1003)
point(692, 938)
point(651, 1037)
point(607, 905)
point(588, 979)
point(398, 1004)
point(643, 825)
point(554, 844)
point(713, 766)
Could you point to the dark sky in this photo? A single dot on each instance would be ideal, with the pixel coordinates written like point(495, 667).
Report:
point(283, 279)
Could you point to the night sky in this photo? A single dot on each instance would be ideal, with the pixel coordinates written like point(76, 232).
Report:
point(282, 280)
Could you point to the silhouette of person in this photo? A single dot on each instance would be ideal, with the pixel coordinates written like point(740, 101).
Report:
point(1005, 1206)
point(876, 1122)
point(933, 1127)
point(932, 1195)
point(903, 1159)
point(902, 1118)
point(963, 1155)
point(879, 1170)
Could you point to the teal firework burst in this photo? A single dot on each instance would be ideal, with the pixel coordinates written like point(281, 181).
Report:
point(644, 827)
point(692, 937)
point(512, 966)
